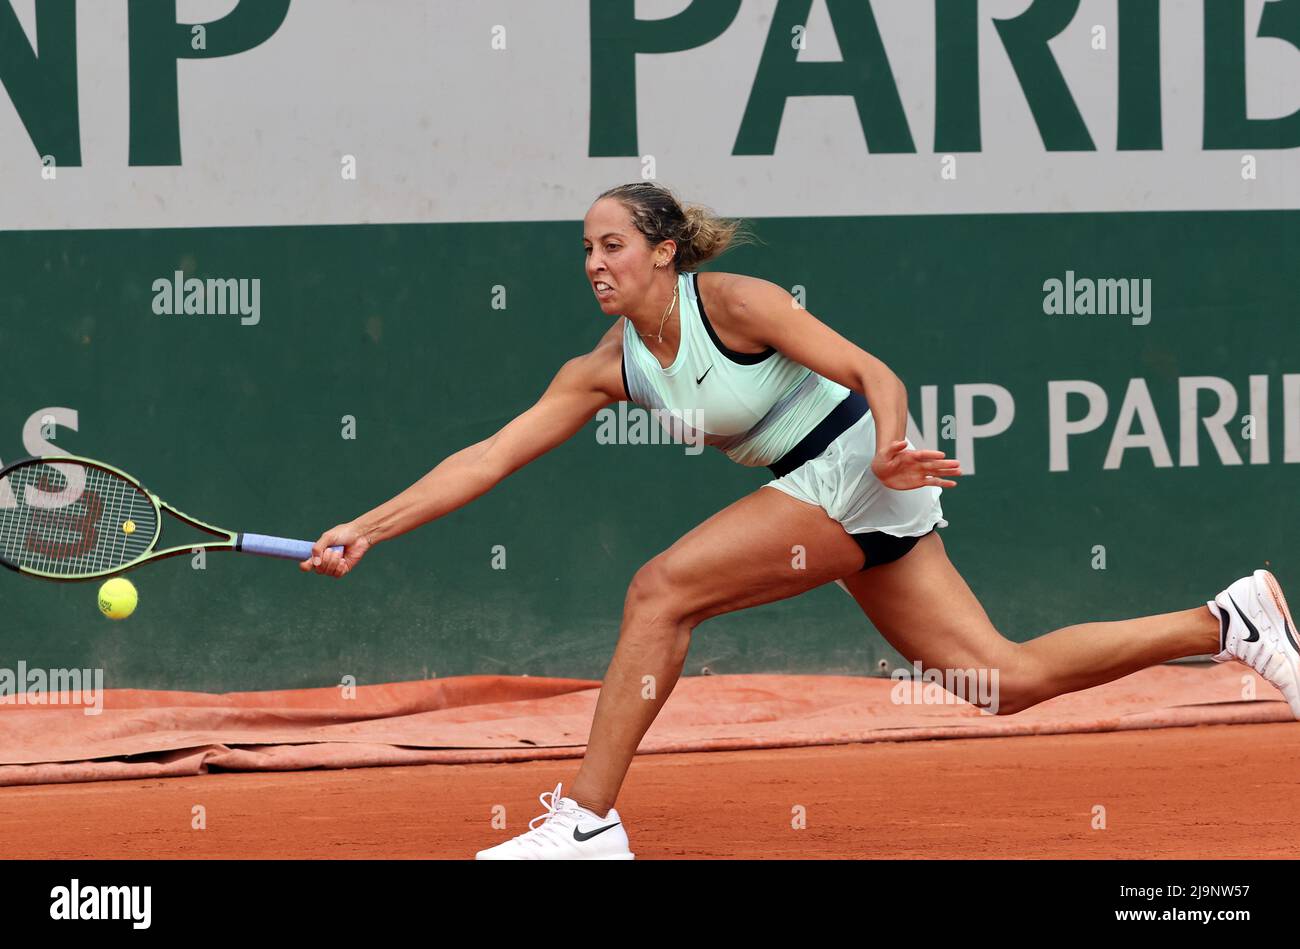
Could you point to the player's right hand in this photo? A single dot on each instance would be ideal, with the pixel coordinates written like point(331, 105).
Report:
point(334, 563)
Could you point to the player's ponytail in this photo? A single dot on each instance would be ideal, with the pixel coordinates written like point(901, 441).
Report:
point(700, 234)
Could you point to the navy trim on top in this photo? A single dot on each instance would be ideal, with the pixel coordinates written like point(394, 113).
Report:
point(622, 365)
point(851, 408)
point(745, 359)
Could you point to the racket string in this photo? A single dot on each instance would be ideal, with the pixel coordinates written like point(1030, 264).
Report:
point(68, 519)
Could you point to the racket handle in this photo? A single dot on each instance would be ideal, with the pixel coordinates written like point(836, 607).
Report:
point(276, 546)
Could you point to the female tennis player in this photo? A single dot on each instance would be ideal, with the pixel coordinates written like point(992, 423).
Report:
point(770, 385)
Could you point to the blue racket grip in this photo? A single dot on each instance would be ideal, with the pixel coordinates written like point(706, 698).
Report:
point(277, 546)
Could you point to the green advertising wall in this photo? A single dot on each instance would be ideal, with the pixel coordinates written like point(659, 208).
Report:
point(395, 326)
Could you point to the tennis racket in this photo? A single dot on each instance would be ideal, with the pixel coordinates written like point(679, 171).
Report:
point(67, 518)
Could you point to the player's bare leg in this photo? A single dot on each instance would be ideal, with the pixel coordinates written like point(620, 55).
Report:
point(765, 547)
point(923, 607)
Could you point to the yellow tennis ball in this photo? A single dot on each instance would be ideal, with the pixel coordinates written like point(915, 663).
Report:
point(128, 527)
point(117, 598)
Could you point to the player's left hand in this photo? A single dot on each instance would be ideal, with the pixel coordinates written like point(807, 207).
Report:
point(903, 469)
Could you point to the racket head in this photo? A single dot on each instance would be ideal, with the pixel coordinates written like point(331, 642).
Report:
point(70, 519)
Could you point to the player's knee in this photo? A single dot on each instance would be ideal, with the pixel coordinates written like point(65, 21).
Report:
point(1014, 705)
point(655, 594)
point(1006, 704)
point(1018, 684)
point(1003, 683)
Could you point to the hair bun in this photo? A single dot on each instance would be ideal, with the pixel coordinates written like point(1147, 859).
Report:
point(700, 234)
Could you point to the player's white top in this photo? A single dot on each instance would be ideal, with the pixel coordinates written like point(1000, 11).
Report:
point(755, 407)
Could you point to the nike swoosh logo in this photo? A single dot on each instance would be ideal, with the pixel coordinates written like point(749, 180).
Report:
point(706, 372)
point(1254, 633)
point(1225, 621)
point(580, 836)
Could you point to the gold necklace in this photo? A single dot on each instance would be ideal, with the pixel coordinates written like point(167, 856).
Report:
point(660, 335)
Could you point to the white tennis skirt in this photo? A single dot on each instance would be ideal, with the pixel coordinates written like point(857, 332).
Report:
point(841, 482)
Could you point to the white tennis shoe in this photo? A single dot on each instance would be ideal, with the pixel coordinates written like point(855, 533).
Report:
point(568, 832)
point(1255, 627)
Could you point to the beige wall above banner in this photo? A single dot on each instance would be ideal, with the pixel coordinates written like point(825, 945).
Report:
point(348, 111)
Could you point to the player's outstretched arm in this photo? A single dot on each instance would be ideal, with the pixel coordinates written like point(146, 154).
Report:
point(583, 386)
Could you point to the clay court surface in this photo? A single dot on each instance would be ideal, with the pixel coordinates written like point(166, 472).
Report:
point(1216, 791)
